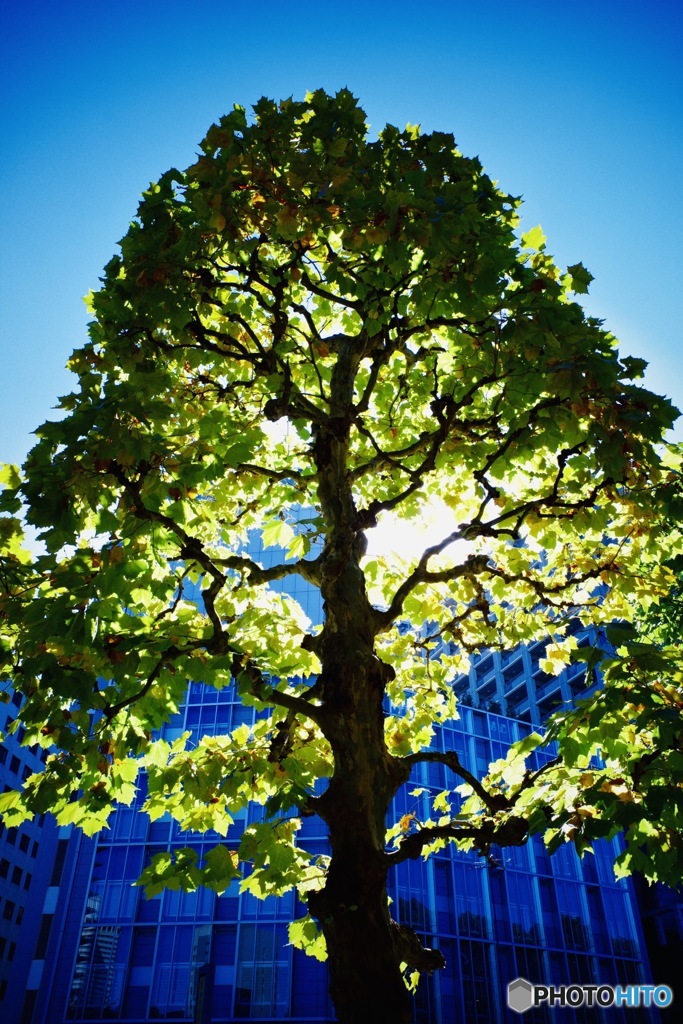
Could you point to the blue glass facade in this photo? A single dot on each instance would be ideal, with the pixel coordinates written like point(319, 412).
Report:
point(102, 951)
point(514, 684)
point(198, 956)
point(31, 863)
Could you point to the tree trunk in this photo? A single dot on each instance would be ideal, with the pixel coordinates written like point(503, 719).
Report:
point(365, 978)
point(365, 981)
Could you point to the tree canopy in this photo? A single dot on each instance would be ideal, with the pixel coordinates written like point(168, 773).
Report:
point(308, 331)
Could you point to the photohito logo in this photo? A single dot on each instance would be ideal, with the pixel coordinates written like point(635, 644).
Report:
point(522, 995)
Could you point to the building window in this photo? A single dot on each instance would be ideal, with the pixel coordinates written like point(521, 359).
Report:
point(171, 989)
point(8, 912)
point(618, 923)
point(98, 981)
point(262, 972)
point(27, 1009)
point(43, 936)
point(574, 929)
point(524, 915)
point(4, 867)
point(58, 866)
point(24, 843)
point(470, 905)
point(27, 880)
point(15, 764)
point(16, 875)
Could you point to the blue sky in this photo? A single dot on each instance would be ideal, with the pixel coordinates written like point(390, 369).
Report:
point(575, 107)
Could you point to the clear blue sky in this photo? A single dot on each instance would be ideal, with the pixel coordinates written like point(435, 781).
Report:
point(577, 107)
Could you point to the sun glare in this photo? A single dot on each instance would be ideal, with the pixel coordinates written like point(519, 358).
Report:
point(407, 539)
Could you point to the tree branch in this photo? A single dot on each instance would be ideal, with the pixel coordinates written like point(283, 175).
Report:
point(473, 565)
point(265, 692)
point(512, 831)
point(271, 474)
point(494, 801)
point(308, 570)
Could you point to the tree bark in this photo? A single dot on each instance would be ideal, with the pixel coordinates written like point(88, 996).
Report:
point(365, 978)
point(365, 947)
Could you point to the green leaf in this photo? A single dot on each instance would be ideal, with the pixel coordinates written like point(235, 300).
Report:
point(9, 800)
point(299, 546)
point(238, 453)
point(220, 868)
point(619, 634)
point(305, 934)
point(580, 278)
point(277, 533)
point(534, 238)
point(9, 475)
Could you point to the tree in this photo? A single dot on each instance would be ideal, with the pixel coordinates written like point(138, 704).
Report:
point(310, 319)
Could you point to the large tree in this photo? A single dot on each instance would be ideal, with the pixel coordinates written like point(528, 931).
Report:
point(306, 332)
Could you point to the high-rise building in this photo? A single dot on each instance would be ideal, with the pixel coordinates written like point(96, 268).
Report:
point(107, 953)
point(32, 859)
point(513, 683)
point(207, 958)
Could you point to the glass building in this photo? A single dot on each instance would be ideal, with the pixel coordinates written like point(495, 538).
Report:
point(105, 952)
point(32, 859)
point(514, 684)
point(207, 958)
